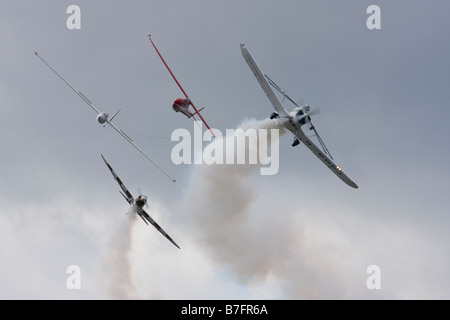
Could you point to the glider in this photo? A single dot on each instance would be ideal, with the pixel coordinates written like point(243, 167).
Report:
point(294, 120)
point(182, 104)
point(103, 118)
point(137, 205)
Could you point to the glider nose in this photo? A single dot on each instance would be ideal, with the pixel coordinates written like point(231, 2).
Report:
point(179, 102)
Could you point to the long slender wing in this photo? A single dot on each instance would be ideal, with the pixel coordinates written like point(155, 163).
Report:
point(137, 148)
point(263, 82)
point(89, 103)
point(127, 193)
point(149, 219)
point(323, 157)
point(197, 112)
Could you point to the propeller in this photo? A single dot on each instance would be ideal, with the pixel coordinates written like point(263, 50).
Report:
point(308, 112)
point(314, 111)
point(139, 191)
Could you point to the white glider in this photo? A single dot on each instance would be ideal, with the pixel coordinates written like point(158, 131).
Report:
point(103, 117)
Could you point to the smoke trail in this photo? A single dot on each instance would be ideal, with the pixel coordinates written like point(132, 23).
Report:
point(119, 283)
point(253, 242)
point(220, 205)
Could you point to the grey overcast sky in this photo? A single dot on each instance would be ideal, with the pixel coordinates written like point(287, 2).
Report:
point(384, 99)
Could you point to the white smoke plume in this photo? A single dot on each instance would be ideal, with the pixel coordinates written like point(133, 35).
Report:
point(254, 241)
point(118, 273)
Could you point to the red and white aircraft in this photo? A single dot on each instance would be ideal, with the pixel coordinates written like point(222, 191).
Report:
point(182, 104)
point(294, 120)
point(137, 205)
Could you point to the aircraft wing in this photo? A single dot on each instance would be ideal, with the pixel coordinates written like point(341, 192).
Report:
point(82, 96)
point(197, 112)
point(89, 103)
point(127, 195)
point(323, 157)
point(147, 217)
point(263, 82)
point(126, 137)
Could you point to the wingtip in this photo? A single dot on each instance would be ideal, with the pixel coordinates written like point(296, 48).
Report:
point(353, 185)
point(104, 160)
point(244, 49)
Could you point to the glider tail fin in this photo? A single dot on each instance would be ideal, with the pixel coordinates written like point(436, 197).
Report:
point(197, 112)
point(115, 114)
